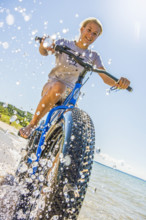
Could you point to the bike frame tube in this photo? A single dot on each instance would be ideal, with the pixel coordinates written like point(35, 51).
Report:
point(69, 103)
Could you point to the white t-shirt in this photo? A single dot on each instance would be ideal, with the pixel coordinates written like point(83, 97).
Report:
point(67, 70)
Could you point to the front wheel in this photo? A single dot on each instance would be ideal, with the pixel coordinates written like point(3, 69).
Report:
point(63, 170)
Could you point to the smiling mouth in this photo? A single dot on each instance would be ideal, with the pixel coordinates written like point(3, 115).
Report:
point(88, 39)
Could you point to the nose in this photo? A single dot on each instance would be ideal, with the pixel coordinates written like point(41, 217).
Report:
point(91, 35)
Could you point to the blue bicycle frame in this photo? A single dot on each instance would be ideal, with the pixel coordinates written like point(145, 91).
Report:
point(69, 103)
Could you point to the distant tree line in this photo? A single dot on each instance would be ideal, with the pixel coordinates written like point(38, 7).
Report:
point(22, 117)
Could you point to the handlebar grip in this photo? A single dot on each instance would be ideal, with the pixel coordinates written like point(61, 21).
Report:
point(38, 39)
point(129, 89)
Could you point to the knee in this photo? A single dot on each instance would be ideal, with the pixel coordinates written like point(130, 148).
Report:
point(59, 88)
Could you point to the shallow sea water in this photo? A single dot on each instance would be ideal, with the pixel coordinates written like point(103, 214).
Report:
point(113, 195)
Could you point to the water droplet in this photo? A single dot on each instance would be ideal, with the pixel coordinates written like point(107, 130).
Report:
point(45, 22)
point(50, 164)
point(32, 201)
point(28, 180)
point(36, 193)
point(47, 42)
point(38, 113)
point(34, 32)
point(61, 21)
point(55, 217)
point(41, 205)
point(109, 61)
point(34, 164)
point(61, 157)
point(17, 83)
point(13, 118)
point(67, 160)
point(23, 168)
point(5, 45)
point(83, 54)
point(30, 170)
point(71, 187)
point(90, 55)
point(1, 24)
point(26, 18)
point(46, 189)
point(21, 215)
point(43, 162)
point(5, 105)
point(10, 19)
point(53, 37)
point(72, 137)
point(107, 91)
point(64, 31)
point(23, 152)
point(42, 147)
point(41, 178)
point(15, 112)
point(33, 157)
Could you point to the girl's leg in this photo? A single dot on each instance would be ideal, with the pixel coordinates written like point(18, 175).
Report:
point(51, 94)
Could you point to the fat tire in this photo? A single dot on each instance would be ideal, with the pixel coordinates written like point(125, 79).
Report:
point(69, 144)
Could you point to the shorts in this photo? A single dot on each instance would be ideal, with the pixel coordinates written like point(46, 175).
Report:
point(64, 94)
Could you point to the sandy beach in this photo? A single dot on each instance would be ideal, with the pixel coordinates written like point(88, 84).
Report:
point(10, 147)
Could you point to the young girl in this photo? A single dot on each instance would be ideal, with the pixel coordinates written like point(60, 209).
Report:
point(66, 72)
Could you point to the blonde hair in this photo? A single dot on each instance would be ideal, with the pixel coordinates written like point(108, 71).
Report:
point(91, 19)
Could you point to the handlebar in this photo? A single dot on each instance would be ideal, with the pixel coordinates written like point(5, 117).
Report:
point(87, 66)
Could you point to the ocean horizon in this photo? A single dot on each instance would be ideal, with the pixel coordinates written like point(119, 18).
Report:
point(118, 170)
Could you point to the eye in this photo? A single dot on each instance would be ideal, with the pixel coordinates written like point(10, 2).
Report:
point(95, 34)
point(89, 30)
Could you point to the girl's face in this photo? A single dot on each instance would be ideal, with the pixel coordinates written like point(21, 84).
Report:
point(89, 33)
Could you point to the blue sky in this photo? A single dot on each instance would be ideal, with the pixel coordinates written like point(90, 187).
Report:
point(119, 118)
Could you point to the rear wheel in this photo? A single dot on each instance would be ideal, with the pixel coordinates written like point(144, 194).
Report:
point(59, 186)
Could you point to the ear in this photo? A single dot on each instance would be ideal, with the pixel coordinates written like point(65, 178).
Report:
point(81, 30)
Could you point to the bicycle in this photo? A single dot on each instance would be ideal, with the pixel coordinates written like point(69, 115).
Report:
point(56, 167)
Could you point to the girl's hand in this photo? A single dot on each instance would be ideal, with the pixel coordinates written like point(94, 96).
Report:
point(122, 83)
point(46, 46)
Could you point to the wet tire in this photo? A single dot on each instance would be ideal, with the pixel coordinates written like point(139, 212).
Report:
point(58, 189)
